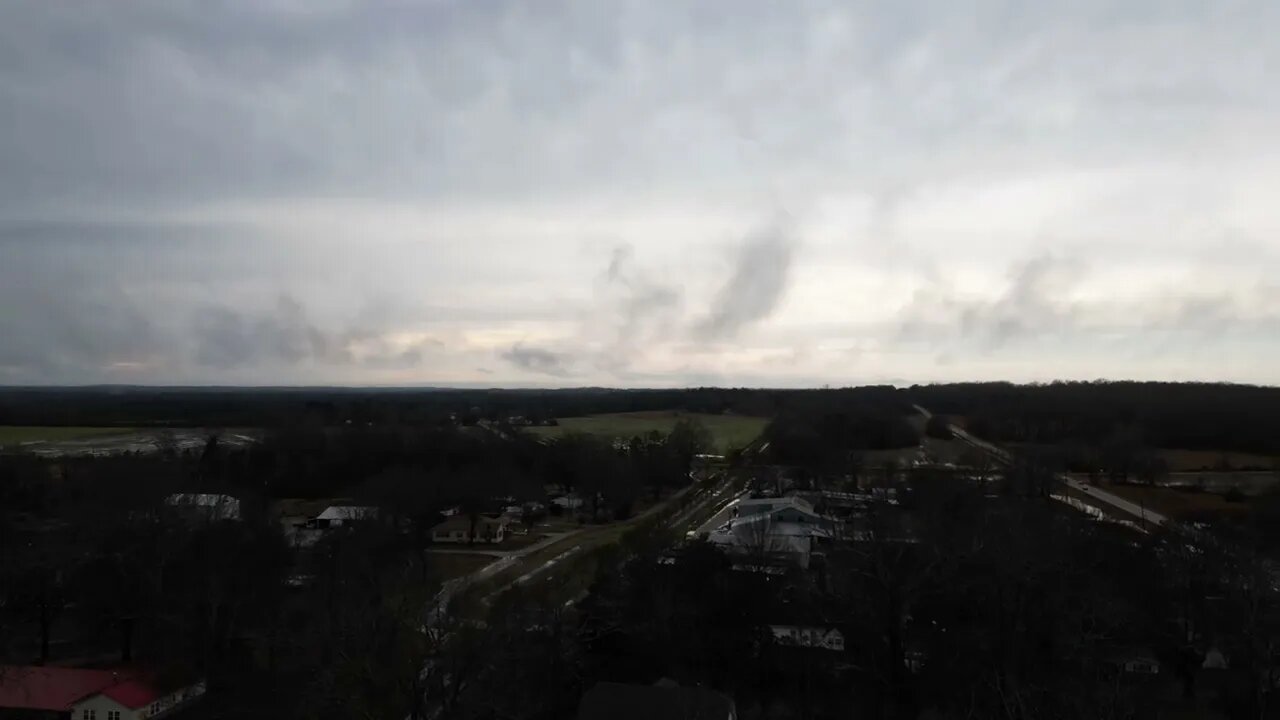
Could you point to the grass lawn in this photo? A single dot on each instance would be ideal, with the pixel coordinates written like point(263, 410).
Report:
point(514, 541)
point(18, 434)
point(728, 431)
point(1192, 460)
point(448, 566)
point(525, 564)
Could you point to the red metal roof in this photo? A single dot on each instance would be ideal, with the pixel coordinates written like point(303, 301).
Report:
point(54, 688)
point(133, 694)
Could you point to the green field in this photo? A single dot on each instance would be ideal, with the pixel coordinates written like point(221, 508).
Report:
point(729, 431)
point(18, 434)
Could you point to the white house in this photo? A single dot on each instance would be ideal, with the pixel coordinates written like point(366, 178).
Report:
point(135, 700)
point(209, 506)
point(336, 516)
point(82, 694)
point(761, 535)
point(457, 529)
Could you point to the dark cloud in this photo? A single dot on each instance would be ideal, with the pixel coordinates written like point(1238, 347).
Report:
point(285, 335)
point(1040, 305)
point(1034, 305)
point(638, 308)
point(537, 360)
point(224, 338)
point(757, 285)
point(65, 321)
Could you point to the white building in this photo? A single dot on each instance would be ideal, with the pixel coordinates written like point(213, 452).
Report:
point(210, 506)
point(458, 529)
point(764, 536)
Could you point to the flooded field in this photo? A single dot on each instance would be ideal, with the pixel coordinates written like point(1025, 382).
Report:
point(67, 442)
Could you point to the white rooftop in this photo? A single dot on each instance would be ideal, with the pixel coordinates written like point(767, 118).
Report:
point(348, 512)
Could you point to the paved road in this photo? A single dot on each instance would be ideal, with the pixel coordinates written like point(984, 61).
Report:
point(1143, 516)
point(722, 515)
point(585, 539)
point(490, 552)
point(457, 585)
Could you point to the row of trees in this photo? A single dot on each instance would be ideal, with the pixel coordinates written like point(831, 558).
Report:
point(1204, 416)
point(242, 407)
point(829, 435)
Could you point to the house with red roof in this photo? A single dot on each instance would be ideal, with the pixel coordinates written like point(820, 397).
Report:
point(87, 694)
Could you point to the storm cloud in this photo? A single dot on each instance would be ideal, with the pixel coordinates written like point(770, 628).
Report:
point(761, 268)
point(224, 338)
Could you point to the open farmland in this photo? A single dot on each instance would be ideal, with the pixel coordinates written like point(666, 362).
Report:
point(1179, 504)
point(81, 441)
point(1192, 460)
point(11, 435)
point(728, 431)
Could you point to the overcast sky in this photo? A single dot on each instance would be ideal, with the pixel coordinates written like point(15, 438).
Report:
point(638, 193)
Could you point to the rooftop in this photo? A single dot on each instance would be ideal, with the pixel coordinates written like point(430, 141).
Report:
point(348, 512)
point(58, 689)
point(133, 694)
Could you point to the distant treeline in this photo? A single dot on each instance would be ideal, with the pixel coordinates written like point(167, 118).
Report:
point(1173, 415)
point(1195, 416)
point(247, 407)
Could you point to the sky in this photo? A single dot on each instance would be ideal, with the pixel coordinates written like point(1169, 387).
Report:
point(638, 194)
